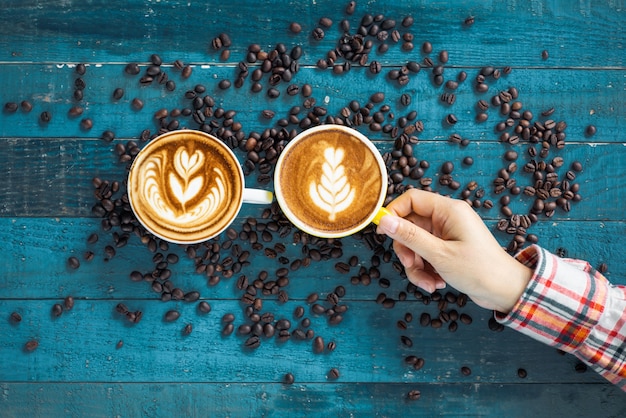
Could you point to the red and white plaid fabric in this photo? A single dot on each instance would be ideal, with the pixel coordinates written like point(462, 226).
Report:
point(571, 306)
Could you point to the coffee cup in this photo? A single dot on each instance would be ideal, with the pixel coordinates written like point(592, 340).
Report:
point(331, 181)
point(187, 186)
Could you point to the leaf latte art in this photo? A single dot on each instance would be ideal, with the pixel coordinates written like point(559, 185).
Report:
point(185, 186)
point(333, 193)
point(171, 199)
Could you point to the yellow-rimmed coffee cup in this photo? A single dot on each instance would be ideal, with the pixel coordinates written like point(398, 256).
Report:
point(331, 181)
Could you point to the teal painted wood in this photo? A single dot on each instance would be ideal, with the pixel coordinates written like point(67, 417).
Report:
point(80, 346)
point(46, 195)
point(53, 176)
point(319, 400)
point(579, 97)
point(504, 33)
point(38, 249)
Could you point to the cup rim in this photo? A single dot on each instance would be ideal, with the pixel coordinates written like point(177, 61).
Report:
point(377, 156)
point(145, 150)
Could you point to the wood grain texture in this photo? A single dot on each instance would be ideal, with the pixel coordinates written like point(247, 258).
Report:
point(60, 173)
point(328, 400)
point(46, 197)
point(509, 33)
point(580, 97)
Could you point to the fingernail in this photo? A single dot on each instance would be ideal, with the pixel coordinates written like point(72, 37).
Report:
point(389, 224)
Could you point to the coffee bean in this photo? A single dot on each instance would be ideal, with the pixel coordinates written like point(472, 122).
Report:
point(15, 317)
point(73, 262)
point(318, 344)
point(465, 318)
point(57, 310)
point(469, 21)
point(86, 124)
point(31, 345)
point(333, 373)
point(45, 117)
point(118, 93)
point(253, 342)
point(425, 319)
point(521, 373)
point(187, 329)
point(466, 371)
point(288, 379)
point(580, 367)
point(68, 303)
point(171, 315)
point(204, 307)
point(295, 27)
point(544, 54)
point(137, 104)
point(414, 395)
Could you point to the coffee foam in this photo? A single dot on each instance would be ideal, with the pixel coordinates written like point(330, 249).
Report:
point(330, 181)
point(185, 188)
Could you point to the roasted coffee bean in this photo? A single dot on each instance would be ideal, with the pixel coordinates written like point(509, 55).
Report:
point(45, 117)
point(228, 329)
point(544, 54)
point(137, 104)
point(73, 262)
point(521, 373)
point(414, 395)
point(318, 344)
point(10, 107)
point(57, 310)
point(26, 106)
point(253, 342)
point(580, 367)
point(118, 93)
point(295, 27)
point(31, 345)
point(119, 344)
point(469, 21)
point(68, 303)
point(333, 373)
point(187, 329)
point(15, 317)
point(288, 379)
point(171, 316)
point(86, 124)
point(466, 371)
point(425, 319)
point(204, 307)
point(451, 119)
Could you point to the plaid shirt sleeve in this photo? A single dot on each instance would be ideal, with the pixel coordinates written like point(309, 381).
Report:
point(571, 306)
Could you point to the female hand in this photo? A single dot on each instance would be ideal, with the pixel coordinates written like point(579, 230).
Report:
point(441, 240)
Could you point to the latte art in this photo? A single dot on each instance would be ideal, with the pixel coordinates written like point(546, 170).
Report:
point(182, 198)
point(185, 187)
point(330, 181)
point(333, 193)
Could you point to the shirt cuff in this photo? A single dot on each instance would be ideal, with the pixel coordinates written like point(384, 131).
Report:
point(561, 303)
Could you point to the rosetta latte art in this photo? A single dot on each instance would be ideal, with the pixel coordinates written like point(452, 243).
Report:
point(175, 197)
point(333, 192)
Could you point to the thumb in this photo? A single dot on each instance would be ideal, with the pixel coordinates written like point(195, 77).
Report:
point(410, 235)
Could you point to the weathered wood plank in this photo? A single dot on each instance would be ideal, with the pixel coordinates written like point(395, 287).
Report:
point(504, 33)
point(38, 250)
point(580, 98)
point(53, 177)
point(308, 399)
point(80, 346)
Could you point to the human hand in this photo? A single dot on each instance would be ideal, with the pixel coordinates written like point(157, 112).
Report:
point(441, 240)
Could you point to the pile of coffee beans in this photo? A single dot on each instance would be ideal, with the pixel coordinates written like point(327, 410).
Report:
point(543, 181)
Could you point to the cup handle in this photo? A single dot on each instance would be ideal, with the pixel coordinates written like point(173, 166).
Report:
point(257, 196)
point(381, 212)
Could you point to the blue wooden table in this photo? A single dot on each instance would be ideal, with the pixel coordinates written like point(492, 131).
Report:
point(91, 360)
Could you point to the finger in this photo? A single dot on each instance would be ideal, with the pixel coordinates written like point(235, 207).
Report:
point(422, 203)
point(412, 236)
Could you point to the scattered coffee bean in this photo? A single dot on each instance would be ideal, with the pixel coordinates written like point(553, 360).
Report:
point(171, 315)
point(31, 345)
point(15, 317)
point(73, 262)
point(414, 395)
point(68, 303)
point(288, 379)
point(57, 310)
point(466, 371)
point(521, 373)
point(333, 373)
